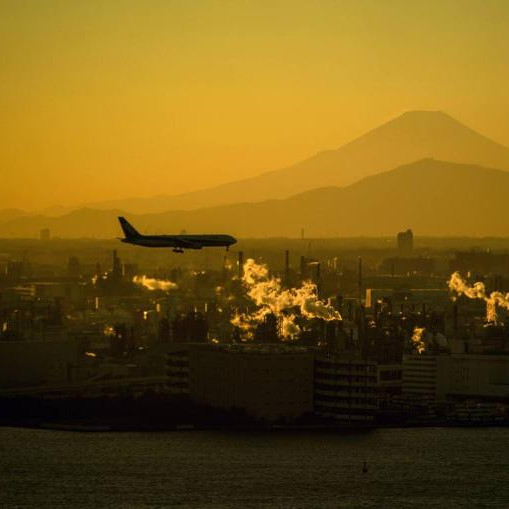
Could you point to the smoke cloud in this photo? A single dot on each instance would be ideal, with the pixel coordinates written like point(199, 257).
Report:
point(270, 297)
point(154, 284)
point(417, 339)
point(478, 291)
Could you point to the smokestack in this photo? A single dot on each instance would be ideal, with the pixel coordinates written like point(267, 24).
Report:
point(116, 265)
point(318, 279)
point(287, 266)
point(360, 278)
point(241, 264)
point(225, 268)
point(302, 266)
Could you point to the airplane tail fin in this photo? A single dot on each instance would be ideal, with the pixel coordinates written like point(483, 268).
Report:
point(130, 231)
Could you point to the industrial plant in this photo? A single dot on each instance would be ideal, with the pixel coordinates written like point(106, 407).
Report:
point(315, 333)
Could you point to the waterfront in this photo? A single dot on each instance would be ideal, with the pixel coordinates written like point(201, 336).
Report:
point(419, 467)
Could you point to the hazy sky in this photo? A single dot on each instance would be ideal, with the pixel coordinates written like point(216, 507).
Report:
point(109, 99)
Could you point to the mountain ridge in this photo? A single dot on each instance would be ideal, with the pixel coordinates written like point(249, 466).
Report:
point(411, 136)
point(433, 197)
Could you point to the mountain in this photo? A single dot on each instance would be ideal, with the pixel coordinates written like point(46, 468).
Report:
point(76, 224)
point(10, 214)
point(431, 197)
point(410, 137)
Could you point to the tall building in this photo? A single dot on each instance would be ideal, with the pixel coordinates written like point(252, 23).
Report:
point(45, 234)
point(15, 269)
point(129, 270)
point(74, 266)
point(190, 328)
point(405, 243)
point(116, 268)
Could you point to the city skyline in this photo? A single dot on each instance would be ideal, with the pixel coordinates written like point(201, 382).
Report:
point(254, 253)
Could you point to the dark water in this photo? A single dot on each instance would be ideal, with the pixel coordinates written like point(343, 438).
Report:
point(409, 468)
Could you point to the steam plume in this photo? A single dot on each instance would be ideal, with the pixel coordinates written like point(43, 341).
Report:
point(417, 339)
point(154, 284)
point(268, 295)
point(478, 291)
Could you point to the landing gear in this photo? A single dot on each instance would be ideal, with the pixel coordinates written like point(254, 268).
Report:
point(178, 250)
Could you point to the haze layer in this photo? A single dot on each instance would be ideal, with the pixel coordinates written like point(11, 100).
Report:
point(107, 100)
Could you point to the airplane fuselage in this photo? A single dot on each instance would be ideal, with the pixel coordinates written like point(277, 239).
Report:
point(182, 241)
point(177, 242)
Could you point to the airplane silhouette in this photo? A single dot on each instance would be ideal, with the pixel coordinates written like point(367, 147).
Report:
point(177, 242)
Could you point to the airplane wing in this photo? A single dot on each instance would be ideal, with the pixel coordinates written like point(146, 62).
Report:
point(187, 244)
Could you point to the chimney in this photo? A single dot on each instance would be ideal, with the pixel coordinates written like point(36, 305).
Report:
point(287, 266)
point(360, 279)
point(241, 264)
point(455, 318)
point(318, 280)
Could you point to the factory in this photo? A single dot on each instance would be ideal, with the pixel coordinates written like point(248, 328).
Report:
point(286, 336)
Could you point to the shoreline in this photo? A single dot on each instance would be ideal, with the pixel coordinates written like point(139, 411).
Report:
point(104, 427)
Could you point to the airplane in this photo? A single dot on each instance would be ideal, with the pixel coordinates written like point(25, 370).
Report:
point(177, 242)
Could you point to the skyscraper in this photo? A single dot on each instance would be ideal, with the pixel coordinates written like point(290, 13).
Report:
point(405, 243)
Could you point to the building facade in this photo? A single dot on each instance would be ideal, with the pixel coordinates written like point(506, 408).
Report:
point(345, 388)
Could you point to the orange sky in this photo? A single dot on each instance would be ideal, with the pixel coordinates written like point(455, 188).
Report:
point(108, 99)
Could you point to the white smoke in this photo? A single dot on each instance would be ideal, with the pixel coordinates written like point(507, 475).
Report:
point(289, 329)
point(478, 291)
point(154, 284)
point(417, 339)
point(244, 323)
point(270, 298)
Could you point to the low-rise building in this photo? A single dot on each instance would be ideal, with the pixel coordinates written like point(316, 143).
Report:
point(473, 376)
point(31, 363)
point(456, 377)
point(419, 378)
point(269, 382)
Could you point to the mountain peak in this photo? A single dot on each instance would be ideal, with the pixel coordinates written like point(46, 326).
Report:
point(425, 113)
point(412, 136)
point(426, 118)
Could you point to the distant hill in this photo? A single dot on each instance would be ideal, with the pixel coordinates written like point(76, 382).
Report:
point(431, 197)
point(10, 214)
point(410, 137)
point(79, 223)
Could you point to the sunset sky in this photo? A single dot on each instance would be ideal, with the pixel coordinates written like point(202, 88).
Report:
point(105, 99)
